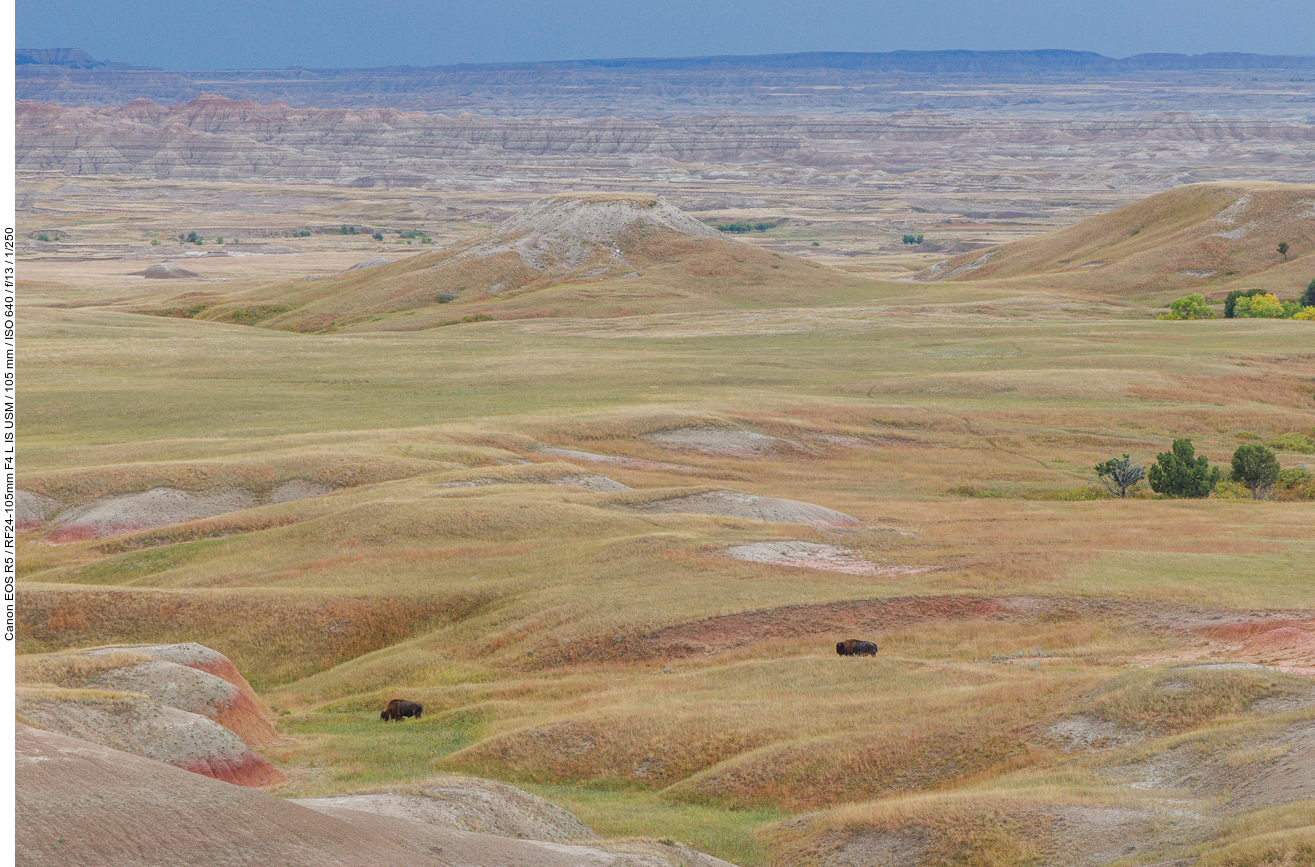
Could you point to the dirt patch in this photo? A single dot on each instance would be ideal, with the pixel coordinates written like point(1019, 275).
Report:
point(468, 804)
point(1096, 836)
point(610, 460)
point(1085, 733)
point(723, 441)
point(33, 510)
point(591, 482)
point(588, 481)
point(813, 555)
point(1246, 774)
point(1290, 776)
point(874, 848)
point(735, 504)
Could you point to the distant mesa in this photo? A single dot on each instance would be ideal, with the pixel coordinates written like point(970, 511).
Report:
point(68, 58)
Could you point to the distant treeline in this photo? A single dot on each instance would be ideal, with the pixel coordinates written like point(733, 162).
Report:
point(741, 227)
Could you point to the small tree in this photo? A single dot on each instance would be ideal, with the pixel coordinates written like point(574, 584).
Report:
point(1283, 249)
point(1180, 473)
point(1308, 297)
point(378, 236)
point(1120, 476)
point(1256, 467)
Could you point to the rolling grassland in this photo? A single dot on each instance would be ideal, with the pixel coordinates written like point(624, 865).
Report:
point(528, 519)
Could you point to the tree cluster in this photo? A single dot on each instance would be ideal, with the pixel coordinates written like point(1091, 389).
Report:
point(1181, 473)
point(740, 227)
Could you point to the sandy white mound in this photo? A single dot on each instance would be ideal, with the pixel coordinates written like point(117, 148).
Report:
point(739, 505)
point(189, 689)
point(805, 555)
point(138, 725)
point(609, 460)
point(592, 482)
point(589, 481)
point(84, 805)
point(721, 441)
point(466, 804)
point(583, 236)
point(158, 507)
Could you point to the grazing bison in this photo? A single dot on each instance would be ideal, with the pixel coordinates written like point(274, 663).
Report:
point(854, 647)
point(400, 707)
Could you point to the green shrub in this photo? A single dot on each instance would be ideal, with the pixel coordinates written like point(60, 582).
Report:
point(1193, 306)
point(1180, 473)
point(378, 236)
point(913, 239)
point(1255, 467)
point(974, 491)
point(1295, 483)
point(1294, 442)
point(1308, 297)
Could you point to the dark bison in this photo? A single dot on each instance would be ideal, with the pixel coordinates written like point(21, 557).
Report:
point(854, 647)
point(400, 707)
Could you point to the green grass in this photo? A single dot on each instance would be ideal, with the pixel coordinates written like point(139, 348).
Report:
point(397, 752)
point(728, 834)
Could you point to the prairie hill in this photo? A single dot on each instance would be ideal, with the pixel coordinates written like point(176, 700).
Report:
point(593, 256)
point(1207, 238)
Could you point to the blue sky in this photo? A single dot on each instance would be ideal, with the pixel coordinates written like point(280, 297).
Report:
point(275, 34)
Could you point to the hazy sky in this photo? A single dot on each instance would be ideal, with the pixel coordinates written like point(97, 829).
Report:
point(275, 34)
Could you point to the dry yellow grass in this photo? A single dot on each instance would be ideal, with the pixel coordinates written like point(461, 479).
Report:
point(535, 619)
